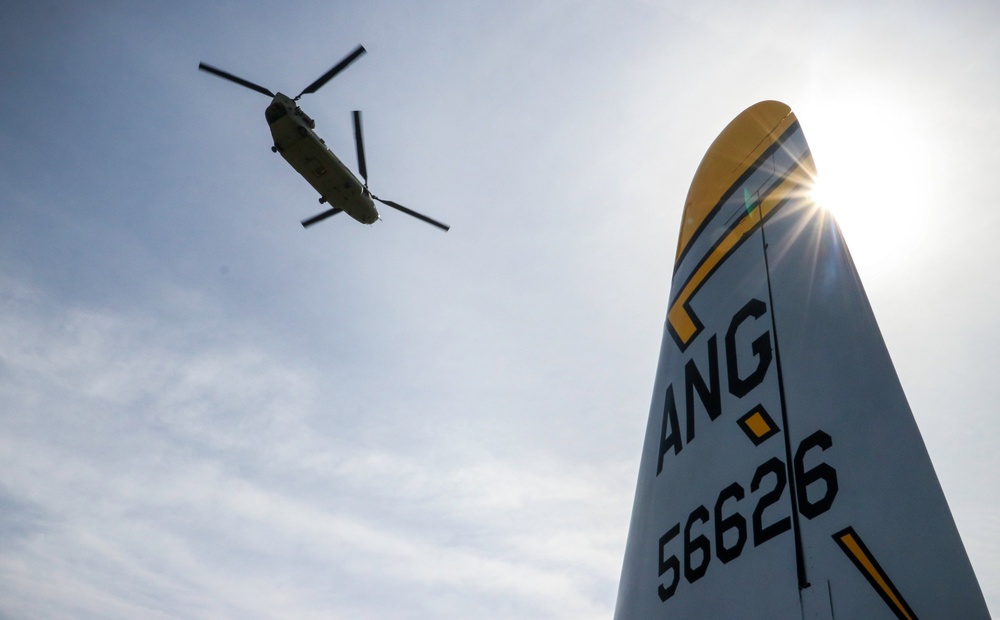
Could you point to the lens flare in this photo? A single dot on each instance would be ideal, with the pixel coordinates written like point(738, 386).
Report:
point(874, 176)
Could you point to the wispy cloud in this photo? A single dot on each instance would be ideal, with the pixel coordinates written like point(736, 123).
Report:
point(170, 467)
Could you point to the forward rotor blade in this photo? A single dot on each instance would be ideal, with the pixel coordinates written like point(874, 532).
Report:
point(232, 78)
point(419, 216)
point(360, 144)
point(326, 77)
point(322, 216)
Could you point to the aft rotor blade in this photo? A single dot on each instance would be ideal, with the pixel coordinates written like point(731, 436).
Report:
point(360, 144)
point(340, 66)
point(232, 78)
point(322, 216)
point(419, 216)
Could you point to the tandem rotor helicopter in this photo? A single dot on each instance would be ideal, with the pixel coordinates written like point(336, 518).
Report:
point(308, 154)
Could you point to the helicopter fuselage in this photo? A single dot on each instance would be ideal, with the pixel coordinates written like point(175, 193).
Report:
point(296, 141)
point(307, 154)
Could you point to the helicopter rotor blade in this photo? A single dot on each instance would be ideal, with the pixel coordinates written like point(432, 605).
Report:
point(411, 212)
point(232, 78)
point(326, 77)
point(360, 144)
point(320, 217)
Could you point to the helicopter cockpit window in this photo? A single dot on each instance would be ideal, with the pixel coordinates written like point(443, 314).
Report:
point(274, 112)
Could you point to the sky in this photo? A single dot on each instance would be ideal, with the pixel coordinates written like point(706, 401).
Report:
point(208, 412)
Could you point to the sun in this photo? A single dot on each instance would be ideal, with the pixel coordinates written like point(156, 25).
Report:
point(875, 175)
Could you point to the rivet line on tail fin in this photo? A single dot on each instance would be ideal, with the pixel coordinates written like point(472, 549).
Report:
point(800, 560)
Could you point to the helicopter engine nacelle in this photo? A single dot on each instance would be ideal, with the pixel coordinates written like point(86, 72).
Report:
point(305, 118)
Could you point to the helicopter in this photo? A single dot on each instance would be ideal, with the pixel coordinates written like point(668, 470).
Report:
point(298, 143)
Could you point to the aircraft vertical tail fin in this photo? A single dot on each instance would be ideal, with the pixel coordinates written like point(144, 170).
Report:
point(782, 473)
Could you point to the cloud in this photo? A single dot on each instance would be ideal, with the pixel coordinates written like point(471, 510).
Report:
point(174, 467)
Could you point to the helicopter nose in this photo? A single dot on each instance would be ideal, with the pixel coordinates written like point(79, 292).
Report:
point(274, 112)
